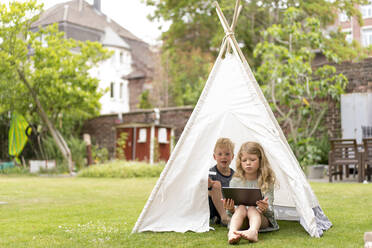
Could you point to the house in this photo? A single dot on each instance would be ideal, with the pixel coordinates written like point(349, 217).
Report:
point(353, 116)
point(353, 30)
point(127, 73)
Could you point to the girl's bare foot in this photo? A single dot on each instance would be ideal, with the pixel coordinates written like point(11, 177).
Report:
point(233, 238)
point(251, 235)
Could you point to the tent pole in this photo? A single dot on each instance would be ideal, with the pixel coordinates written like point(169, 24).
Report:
point(237, 10)
point(223, 20)
point(229, 30)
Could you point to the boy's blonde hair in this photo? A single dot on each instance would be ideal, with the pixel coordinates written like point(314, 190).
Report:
point(224, 143)
point(265, 175)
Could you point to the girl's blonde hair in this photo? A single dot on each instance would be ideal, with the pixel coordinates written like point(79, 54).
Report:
point(265, 175)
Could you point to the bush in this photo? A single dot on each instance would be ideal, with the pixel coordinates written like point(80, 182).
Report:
point(120, 145)
point(122, 169)
point(61, 168)
point(17, 170)
point(311, 151)
point(78, 151)
point(77, 148)
point(100, 155)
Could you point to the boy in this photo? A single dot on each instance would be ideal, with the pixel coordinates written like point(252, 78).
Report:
point(220, 176)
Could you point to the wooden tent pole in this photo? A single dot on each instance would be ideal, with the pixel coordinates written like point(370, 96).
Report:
point(236, 18)
point(229, 30)
point(237, 10)
point(223, 20)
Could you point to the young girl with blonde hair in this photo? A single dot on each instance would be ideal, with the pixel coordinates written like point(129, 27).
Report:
point(252, 171)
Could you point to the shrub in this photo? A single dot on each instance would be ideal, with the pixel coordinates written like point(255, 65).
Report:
point(100, 155)
point(122, 169)
point(61, 168)
point(120, 145)
point(77, 148)
point(17, 170)
point(78, 151)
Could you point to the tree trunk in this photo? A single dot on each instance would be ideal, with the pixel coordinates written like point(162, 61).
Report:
point(62, 145)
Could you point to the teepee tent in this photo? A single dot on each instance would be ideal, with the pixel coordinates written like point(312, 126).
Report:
point(231, 105)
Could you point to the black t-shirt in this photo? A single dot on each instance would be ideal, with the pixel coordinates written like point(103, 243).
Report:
point(215, 175)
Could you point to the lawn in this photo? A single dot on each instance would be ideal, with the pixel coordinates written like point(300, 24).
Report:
point(87, 212)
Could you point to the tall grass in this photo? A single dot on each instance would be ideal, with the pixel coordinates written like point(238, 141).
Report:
point(77, 148)
point(122, 169)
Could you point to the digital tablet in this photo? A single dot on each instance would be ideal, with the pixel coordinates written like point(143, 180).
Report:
point(242, 196)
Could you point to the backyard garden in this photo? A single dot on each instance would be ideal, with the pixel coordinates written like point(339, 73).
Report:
point(92, 196)
point(64, 211)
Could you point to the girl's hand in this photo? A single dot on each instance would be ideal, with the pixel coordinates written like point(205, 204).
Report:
point(228, 204)
point(262, 205)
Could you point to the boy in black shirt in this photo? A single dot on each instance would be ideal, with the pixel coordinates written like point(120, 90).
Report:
point(220, 176)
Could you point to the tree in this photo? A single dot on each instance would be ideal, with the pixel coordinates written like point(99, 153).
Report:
point(188, 71)
point(195, 27)
point(144, 101)
point(43, 75)
point(297, 91)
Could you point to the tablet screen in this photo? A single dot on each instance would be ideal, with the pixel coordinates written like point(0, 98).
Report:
point(242, 196)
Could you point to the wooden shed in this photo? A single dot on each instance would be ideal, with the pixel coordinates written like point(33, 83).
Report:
point(147, 142)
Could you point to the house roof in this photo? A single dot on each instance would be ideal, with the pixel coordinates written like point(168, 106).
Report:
point(83, 14)
point(110, 38)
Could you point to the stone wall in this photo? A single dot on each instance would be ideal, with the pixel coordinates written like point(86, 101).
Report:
point(102, 128)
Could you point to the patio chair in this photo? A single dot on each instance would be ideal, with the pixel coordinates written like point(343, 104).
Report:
point(367, 131)
point(367, 159)
point(344, 152)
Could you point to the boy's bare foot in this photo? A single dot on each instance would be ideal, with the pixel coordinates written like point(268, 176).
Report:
point(233, 238)
point(251, 235)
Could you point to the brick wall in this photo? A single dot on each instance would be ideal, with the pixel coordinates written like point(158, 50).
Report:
point(359, 75)
point(135, 87)
point(102, 128)
point(102, 131)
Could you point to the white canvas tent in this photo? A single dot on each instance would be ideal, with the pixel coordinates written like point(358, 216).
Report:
point(231, 105)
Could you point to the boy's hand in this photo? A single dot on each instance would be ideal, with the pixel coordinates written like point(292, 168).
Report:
point(228, 204)
point(210, 182)
point(262, 205)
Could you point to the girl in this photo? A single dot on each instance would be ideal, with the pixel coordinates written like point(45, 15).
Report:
point(252, 171)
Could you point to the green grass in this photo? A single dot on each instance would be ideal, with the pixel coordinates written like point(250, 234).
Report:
point(89, 212)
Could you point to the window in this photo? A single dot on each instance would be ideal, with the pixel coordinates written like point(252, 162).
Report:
point(112, 85)
point(348, 35)
point(343, 17)
point(367, 37)
point(366, 11)
point(113, 58)
point(121, 58)
point(121, 91)
point(162, 135)
point(142, 135)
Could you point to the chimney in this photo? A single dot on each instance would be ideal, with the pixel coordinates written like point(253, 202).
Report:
point(97, 5)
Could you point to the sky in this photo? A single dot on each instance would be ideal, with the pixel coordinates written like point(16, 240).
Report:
point(130, 14)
